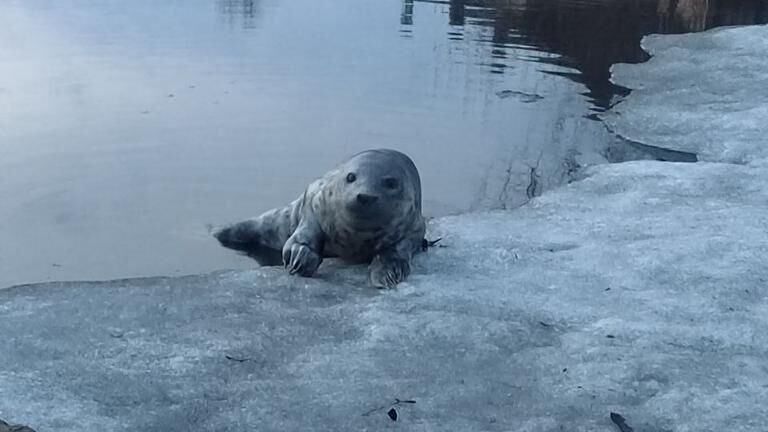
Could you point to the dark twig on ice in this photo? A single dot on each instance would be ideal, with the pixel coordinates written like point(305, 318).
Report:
point(239, 360)
point(426, 244)
point(389, 413)
point(619, 421)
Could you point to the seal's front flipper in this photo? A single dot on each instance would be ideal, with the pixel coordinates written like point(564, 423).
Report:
point(303, 251)
point(393, 265)
point(388, 269)
point(300, 259)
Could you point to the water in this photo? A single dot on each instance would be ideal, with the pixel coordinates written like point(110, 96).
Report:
point(126, 127)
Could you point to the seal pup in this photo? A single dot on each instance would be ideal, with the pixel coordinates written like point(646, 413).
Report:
point(366, 210)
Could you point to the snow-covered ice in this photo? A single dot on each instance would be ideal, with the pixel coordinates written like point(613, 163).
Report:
point(641, 289)
point(700, 93)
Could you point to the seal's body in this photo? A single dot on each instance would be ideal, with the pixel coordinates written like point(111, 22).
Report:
point(368, 209)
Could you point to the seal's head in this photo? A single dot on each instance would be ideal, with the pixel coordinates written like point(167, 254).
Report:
point(377, 188)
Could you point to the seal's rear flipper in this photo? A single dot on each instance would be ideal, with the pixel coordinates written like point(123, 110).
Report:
point(245, 237)
point(241, 236)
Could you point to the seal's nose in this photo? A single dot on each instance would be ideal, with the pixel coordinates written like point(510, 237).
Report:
point(365, 199)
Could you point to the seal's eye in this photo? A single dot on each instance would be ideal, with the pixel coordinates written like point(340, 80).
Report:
point(351, 177)
point(390, 183)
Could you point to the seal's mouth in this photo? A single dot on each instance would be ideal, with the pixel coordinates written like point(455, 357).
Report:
point(366, 215)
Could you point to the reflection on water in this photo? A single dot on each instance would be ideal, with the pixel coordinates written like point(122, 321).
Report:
point(126, 127)
point(239, 12)
point(589, 35)
point(406, 17)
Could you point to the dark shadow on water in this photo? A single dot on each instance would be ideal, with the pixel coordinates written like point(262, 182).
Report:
point(591, 35)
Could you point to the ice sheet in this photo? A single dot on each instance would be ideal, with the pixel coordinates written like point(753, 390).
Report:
point(705, 93)
point(639, 290)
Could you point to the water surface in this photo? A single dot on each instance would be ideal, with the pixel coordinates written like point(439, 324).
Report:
point(126, 127)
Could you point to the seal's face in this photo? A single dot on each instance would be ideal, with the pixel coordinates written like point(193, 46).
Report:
point(373, 191)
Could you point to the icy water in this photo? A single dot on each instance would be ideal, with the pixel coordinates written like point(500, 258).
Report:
point(126, 127)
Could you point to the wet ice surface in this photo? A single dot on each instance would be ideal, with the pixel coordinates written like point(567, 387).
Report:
point(709, 95)
point(641, 289)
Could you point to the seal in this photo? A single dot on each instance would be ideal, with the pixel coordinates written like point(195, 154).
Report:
point(366, 210)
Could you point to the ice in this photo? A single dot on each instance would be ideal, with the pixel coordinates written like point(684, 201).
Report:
point(641, 289)
point(705, 93)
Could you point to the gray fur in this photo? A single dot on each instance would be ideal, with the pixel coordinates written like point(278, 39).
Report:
point(376, 219)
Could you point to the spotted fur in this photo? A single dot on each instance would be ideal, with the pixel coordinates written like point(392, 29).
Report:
point(368, 209)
